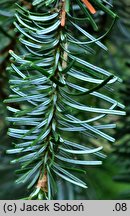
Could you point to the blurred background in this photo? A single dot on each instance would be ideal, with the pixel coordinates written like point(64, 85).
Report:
point(112, 179)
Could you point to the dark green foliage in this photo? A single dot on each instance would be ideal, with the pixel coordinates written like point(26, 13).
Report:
point(121, 151)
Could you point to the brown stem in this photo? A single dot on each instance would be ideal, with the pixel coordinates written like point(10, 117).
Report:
point(27, 4)
point(89, 6)
point(63, 14)
point(42, 182)
point(65, 57)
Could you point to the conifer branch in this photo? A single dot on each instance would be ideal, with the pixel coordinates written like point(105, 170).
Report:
point(45, 78)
